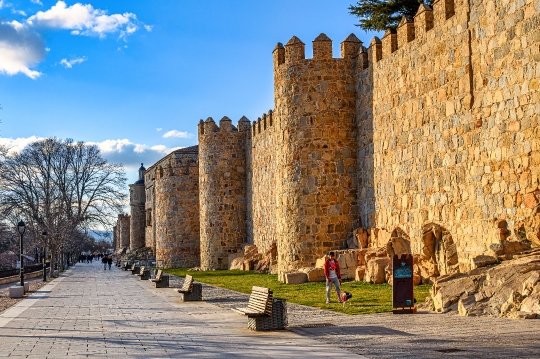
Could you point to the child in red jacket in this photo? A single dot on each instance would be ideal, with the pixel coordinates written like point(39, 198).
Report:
point(333, 275)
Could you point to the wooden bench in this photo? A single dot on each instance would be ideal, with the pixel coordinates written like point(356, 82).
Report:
point(126, 266)
point(135, 269)
point(263, 311)
point(259, 304)
point(190, 291)
point(162, 281)
point(144, 273)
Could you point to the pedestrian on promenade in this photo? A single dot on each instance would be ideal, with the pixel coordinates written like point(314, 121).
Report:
point(109, 261)
point(332, 273)
point(104, 261)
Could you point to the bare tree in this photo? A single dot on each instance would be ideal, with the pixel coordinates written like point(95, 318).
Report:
point(64, 187)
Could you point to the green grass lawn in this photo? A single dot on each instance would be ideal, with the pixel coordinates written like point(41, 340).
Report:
point(367, 298)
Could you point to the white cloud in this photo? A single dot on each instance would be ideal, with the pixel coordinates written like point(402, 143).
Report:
point(158, 129)
point(130, 154)
point(178, 134)
point(140, 148)
point(68, 64)
point(84, 20)
point(18, 144)
point(148, 28)
point(18, 12)
point(20, 49)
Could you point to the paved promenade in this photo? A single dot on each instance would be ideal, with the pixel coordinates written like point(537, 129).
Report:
point(94, 313)
point(89, 312)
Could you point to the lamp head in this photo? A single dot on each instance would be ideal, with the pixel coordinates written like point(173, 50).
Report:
point(21, 227)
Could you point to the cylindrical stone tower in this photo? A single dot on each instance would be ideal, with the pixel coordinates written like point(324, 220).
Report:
point(176, 191)
point(316, 153)
point(222, 183)
point(115, 239)
point(123, 230)
point(137, 200)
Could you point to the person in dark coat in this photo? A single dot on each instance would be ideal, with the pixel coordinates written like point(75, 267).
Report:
point(109, 261)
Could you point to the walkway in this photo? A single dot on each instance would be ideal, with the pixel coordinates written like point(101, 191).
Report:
point(94, 313)
point(111, 314)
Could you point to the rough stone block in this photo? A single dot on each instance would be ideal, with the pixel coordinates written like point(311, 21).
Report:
point(466, 306)
point(315, 275)
point(236, 261)
point(360, 273)
point(482, 261)
point(375, 271)
point(295, 278)
point(16, 291)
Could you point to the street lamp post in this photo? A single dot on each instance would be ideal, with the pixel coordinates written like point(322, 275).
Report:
point(21, 228)
point(44, 234)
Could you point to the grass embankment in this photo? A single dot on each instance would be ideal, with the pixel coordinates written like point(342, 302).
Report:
point(367, 298)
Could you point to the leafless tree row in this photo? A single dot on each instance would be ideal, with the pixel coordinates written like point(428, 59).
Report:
point(63, 187)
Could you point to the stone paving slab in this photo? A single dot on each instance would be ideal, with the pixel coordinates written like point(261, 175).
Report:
point(94, 313)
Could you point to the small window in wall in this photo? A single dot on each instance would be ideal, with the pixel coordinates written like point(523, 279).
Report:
point(149, 218)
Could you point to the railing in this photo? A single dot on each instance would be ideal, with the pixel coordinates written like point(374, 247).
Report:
point(27, 269)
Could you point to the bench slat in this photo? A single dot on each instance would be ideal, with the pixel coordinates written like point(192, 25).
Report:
point(259, 303)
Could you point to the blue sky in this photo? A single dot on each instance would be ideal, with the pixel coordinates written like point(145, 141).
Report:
point(136, 76)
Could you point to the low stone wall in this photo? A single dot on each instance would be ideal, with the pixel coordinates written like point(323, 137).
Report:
point(16, 278)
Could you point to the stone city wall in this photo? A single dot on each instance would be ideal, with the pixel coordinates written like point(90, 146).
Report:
point(316, 150)
point(223, 187)
point(138, 216)
point(122, 226)
point(262, 176)
point(176, 212)
point(115, 239)
point(448, 143)
point(150, 205)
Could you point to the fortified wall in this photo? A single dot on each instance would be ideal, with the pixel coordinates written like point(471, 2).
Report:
point(425, 142)
point(448, 136)
point(172, 209)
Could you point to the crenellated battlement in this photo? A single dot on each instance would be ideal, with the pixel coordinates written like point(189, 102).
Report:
point(294, 50)
point(225, 125)
point(264, 122)
point(408, 30)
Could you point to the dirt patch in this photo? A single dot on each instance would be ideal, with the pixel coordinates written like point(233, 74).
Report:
point(7, 302)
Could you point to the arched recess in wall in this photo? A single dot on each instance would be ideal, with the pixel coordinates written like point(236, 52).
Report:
point(399, 243)
point(439, 247)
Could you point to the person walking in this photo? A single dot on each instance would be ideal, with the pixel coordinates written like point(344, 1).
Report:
point(104, 261)
point(332, 273)
point(109, 261)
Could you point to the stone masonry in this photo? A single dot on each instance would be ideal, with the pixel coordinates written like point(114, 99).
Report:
point(222, 180)
point(122, 226)
point(447, 113)
point(172, 203)
point(137, 204)
point(426, 141)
